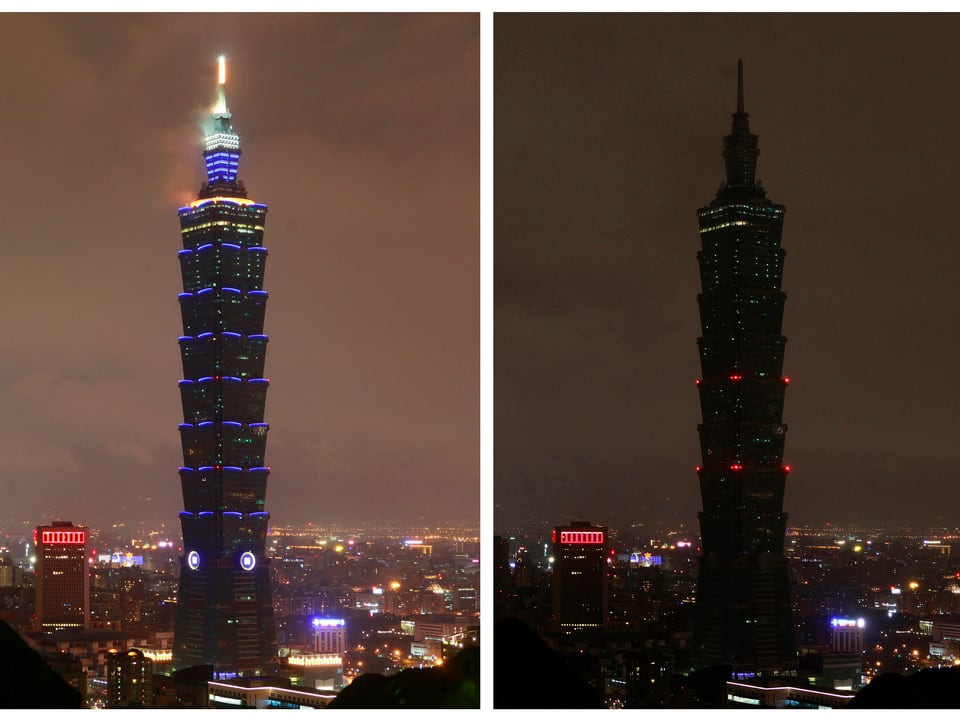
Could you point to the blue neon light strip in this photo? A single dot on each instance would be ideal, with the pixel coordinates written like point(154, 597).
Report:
point(231, 290)
point(204, 291)
point(232, 423)
point(206, 378)
point(233, 468)
point(256, 292)
point(186, 469)
point(260, 469)
point(206, 513)
point(257, 248)
point(259, 425)
point(233, 513)
point(258, 514)
point(205, 468)
point(184, 338)
point(184, 426)
point(183, 295)
point(205, 423)
point(258, 380)
point(205, 335)
point(231, 334)
point(184, 382)
point(258, 337)
point(204, 246)
point(185, 513)
point(230, 245)
point(185, 252)
point(232, 378)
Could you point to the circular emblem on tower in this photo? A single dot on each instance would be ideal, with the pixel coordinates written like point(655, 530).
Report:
point(193, 559)
point(248, 561)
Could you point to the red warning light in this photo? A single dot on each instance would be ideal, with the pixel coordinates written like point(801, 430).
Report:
point(786, 468)
point(735, 378)
point(698, 381)
point(736, 466)
point(699, 468)
point(786, 381)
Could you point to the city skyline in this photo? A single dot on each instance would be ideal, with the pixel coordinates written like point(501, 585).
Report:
point(362, 132)
point(605, 139)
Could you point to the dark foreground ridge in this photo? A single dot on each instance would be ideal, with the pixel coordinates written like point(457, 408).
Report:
point(28, 681)
point(456, 684)
point(527, 673)
point(934, 688)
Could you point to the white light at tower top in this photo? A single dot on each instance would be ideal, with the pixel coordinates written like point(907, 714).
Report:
point(222, 62)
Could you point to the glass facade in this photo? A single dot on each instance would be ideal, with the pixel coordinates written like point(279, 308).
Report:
point(743, 617)
point(224, 608)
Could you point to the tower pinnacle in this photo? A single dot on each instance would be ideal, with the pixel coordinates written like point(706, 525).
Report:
point(740, 146)
point(220, 109)
point(221, 148)
point(739, 83)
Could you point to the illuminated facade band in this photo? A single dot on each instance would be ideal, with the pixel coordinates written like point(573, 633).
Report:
point(742, 614)
point(224, 608)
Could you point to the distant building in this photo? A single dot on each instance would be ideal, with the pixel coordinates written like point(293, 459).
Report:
point(847, 635)
point(329, 635)
point(249, 693)
point(129, 679)
point(9, 572)
point(62, 577)
point(784, 695)
point(945, 638)
point(580, 576)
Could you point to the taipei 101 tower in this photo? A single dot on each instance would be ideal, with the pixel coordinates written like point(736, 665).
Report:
point(742, 614)
point(224, 609)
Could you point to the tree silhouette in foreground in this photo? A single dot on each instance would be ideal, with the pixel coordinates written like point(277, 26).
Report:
point(456, 684)
point(28, 682)
point(934, 688)
point(529, 674)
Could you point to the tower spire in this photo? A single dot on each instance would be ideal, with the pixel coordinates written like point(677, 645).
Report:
point(739, 85)
point(740, 146)
point(221, 107)
point(221, 148)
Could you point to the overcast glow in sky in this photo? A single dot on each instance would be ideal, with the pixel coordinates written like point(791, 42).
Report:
point(361, 134)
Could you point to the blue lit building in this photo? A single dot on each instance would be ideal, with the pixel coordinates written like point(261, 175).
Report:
point(224, 608)
point(742, 615)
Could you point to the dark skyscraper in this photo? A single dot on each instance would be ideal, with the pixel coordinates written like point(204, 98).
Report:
point(224, 610)
point(580, 576)
point(743, 606)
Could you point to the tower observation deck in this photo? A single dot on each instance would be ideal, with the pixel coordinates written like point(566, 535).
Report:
point(224, 610)
point(742, 616)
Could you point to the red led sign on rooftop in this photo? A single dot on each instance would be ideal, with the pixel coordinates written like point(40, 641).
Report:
point(63, 537)
point(581, 537)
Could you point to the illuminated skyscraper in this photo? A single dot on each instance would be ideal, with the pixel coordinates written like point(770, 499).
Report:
point(580, 576)
point(224, 609)
point(62, 577)
point(743, 605)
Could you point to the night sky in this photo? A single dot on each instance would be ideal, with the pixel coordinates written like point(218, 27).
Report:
point(608, 134)
point(361, 134)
